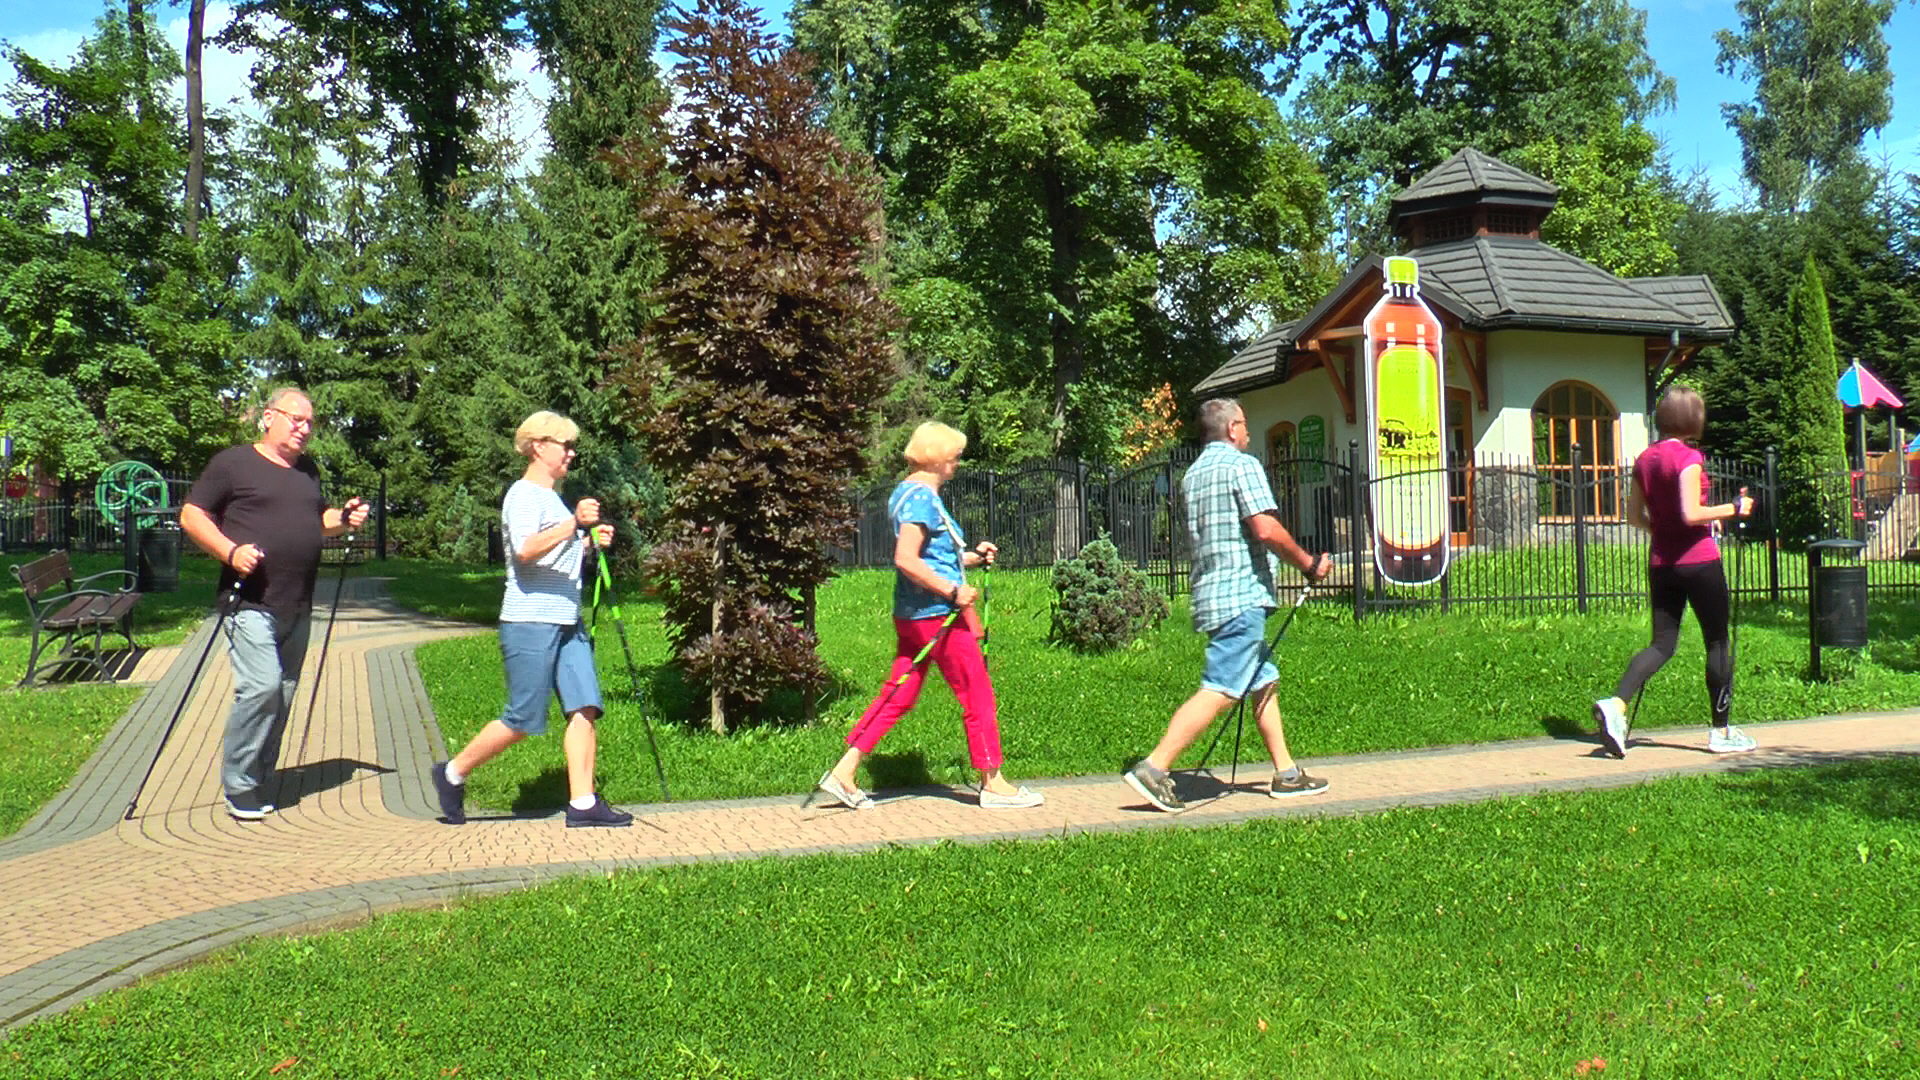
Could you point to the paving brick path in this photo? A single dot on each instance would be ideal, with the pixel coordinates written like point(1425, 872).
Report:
point(95, 902)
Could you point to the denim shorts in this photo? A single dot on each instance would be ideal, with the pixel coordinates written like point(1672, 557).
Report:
point(1232, 648)
point(543, 659)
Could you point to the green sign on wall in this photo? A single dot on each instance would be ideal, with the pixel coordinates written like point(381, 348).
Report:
point(1313, 449)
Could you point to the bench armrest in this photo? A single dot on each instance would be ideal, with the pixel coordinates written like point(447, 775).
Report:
point(79, 584)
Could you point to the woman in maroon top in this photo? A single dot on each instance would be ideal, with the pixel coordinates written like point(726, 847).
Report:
point(1683, 569)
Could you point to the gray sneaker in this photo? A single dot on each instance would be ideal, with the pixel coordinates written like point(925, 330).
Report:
point(1300, 785)
point(1154, 786)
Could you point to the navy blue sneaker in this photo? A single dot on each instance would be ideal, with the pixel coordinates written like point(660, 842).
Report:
point(247, 806)
point(453, 797)
point(599, 815)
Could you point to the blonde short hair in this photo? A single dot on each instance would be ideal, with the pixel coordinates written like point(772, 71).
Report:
point(543, 425)
point(1681, 414)
point(934, 442)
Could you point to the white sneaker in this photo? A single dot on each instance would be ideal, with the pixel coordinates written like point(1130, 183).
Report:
point(1610, 714)
point(1023, 799)
point(1729, 740)
point(850, 797)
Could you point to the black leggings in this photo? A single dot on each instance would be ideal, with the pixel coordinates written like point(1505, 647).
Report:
point(1673, 589)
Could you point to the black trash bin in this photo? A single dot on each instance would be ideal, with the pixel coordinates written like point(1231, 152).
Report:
point(1836, 597)
point(159, 557)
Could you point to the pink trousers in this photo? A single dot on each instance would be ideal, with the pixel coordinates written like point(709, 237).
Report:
point(960, 662)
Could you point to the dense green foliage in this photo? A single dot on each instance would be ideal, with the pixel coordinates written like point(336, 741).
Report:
point(1746, 924)
point(115, 332)
point(1562, 87)
point(1085, 200)
point(1803, 408)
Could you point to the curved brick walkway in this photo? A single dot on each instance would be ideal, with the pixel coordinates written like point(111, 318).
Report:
point(95, 902)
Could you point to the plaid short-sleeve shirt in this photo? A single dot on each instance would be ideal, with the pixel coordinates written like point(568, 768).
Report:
point(1232, 571)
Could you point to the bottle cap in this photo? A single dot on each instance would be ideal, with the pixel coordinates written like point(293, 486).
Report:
point(1402, 270)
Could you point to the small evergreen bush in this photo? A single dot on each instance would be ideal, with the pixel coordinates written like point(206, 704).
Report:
point(1100, 603)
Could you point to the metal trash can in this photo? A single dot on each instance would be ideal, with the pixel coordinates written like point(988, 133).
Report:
point(159, 558)
point(1836, 597)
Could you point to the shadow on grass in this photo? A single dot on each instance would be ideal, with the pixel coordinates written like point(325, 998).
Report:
point(1882, 787)
point(547, 791)
point(902, 770)
point(668, 694)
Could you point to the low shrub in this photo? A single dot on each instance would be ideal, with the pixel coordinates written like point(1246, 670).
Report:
point(1101, 603)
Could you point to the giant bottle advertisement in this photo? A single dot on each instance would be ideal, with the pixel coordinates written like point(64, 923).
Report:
point(1405, 393)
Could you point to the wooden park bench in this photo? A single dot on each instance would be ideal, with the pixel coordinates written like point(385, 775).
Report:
point(63, 609)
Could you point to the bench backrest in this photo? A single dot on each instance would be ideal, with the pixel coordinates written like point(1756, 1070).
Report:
point(40, 576)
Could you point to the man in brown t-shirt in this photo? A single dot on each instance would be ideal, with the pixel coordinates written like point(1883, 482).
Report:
point(258, 509)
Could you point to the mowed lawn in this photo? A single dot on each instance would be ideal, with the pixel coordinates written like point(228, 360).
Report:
point(1753, 924)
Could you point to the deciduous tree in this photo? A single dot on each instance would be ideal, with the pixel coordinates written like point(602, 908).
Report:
point(757, 375)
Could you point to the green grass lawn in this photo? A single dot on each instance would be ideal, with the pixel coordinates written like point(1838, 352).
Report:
point(1387, 682)
point(47, 734)
point(1746, 925)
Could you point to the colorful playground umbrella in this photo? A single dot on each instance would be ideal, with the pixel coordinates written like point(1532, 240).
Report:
point(1860, 389)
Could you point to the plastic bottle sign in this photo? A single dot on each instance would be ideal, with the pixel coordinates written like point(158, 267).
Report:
point(1406, 453)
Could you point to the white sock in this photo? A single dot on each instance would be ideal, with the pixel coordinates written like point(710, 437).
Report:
point(583, 802)
point(455, 776)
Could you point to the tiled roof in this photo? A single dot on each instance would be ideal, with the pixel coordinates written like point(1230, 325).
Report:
point(1693, 294)
point(1471, 171)
point(1509, 283)
point(1255, 365)
point(1517, 281)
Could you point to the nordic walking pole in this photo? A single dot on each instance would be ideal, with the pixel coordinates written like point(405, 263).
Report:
point(605, 581)
point(896, 683)
point(986, 631)
point(222, 607)
point(1240, 707)
point(320, 667)
point(1733, 627)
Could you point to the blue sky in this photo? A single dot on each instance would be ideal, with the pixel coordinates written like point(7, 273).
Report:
point(1679, 32)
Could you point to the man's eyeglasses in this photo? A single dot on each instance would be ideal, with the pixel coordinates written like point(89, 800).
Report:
point(295, 421)
point(565, 447)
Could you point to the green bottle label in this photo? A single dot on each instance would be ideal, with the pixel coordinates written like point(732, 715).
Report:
point(1412, 508)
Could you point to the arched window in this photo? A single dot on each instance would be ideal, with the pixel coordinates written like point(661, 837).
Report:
point(1569, 413)
point(1283, 449)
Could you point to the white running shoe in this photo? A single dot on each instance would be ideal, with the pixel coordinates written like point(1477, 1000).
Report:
point(1610, 714)
point(1729, 740)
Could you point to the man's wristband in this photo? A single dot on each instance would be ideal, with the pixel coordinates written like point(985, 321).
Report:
point(954, 596)
point(231, 550)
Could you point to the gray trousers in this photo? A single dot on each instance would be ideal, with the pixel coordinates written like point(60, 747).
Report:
point(266, 652)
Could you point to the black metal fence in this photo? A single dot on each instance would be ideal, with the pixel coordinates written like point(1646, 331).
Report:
point(1527, 537)
point(83, 519)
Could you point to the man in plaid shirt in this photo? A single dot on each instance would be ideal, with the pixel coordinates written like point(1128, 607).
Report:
point(1235, 532)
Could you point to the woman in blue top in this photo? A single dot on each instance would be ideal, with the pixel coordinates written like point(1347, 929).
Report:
point(932, 603)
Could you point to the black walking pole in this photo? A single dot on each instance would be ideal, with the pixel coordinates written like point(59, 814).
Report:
point(633, 670)
point(1240, 707)
point(1733, 629)
point(339, 586)
point(222, 608)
